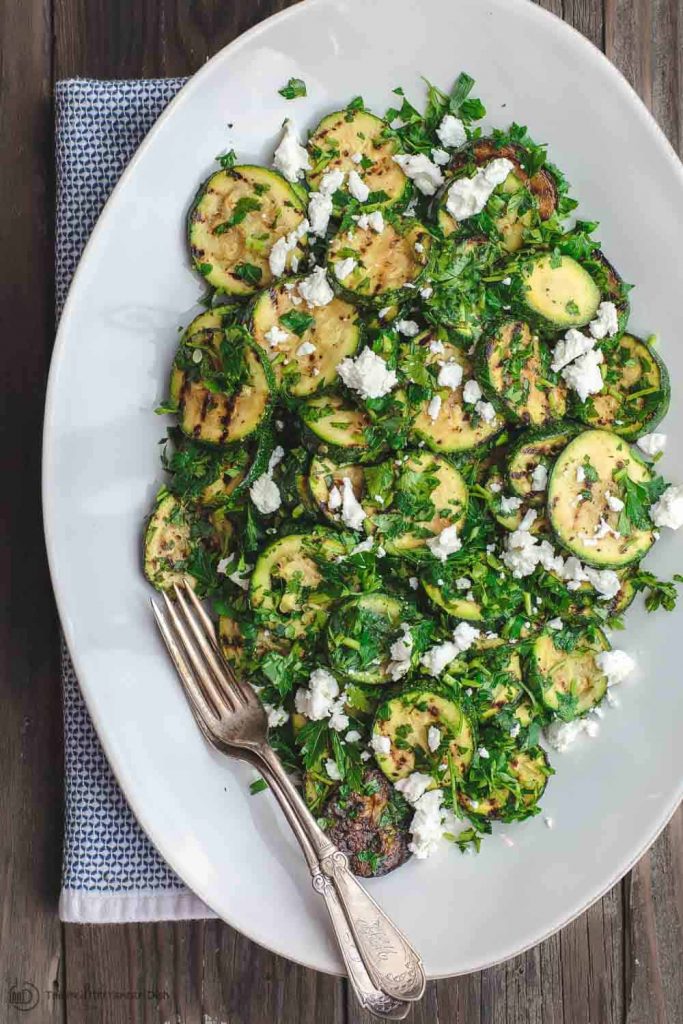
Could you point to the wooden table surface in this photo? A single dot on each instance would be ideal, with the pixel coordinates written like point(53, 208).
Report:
point(620, 963)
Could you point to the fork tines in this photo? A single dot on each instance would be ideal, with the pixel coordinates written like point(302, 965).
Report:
point(189, 634)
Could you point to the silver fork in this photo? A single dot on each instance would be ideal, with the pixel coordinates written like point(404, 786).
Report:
point(386, 972)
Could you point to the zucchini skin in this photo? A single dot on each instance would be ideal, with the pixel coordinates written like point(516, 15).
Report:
point(554, 437)
point(608, 451)
point(588, 412)
point(547, 681)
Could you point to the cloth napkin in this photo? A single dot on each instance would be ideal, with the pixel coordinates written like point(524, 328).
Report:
point(111, 872)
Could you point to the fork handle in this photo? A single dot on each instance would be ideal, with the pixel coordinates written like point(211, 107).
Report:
point(369, 997)
point(392, 964)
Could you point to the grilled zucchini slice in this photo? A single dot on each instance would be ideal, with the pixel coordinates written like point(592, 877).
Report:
point(559, 291)
point(343, 135)
point(386, 261)
point(168, 544)
point(635, 397)
point(569, 682)
point(536, 448)
point(406, 721)
point(506, 691)
point(372, 485)
point(360, 632)
point(332, 420)
point(236, 218)
point(519, 215)
point(213, 416)
point(529, 771)
point(333, 331)
point(457, 427)
point(588, 470)
point(286, 582)
point(420, 474)
point(458, 607)
point(513, 367)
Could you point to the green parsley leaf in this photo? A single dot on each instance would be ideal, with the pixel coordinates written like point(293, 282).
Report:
point(297, 322)
point(248, 272)
point(295, 87)
point(243, 206)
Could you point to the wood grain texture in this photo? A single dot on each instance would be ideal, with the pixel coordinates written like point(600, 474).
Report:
point(618, 964)
point(30, 752)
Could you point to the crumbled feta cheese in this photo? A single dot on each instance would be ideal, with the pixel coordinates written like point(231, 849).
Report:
point(331, 181)
point(652, 444)
point(483, 753)
point(380, 744)
point(530, 517)
point(374, 220)
point(197, 355)
point(290, 157)
point(606, 322)
point(334, 499)
point(367, 374)
point(616, 665)
point(440, 157)
point(276, 716)
point(508, 505)
point(556, 623)
point(584, 375)
point(276, 336)
point(420, 169)
point(471, 393)
point(401, 652)
point(451, 132)
point(668, 511)
point(561, 735)
point(407, 327)
point(495, 487)
point(239, 577)
point(468, 196)
point(357, 187)
point(445, 543)
point(265, 494)
point(365, 545)
point(384, 312)
point(613, 503)
point(426, 292)
point(462, 583)
point(365, 755)
point(434, 408)
point(277, 258)
point(275, 459)
point(539, 478)
point(306, 348)
point(427, 826)
point(438, 657)
point(332, 770)
point(413, 582)
point(339, 720)
point(357, 158)
point(317, 701)
point(315, 289)
point(436, 347)
point(515, 730)
point(605, 581)
point(521, 555)
point(450, 375)
point(433, 738)
point(580, 475)
point(486, 411)
point(319, 212)
point(352, 513)
point(414, 786)
point(573, 345)
point(352, 736)
point(343, 268)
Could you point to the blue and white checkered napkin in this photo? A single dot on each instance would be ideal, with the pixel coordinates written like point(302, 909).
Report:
point(111, 872)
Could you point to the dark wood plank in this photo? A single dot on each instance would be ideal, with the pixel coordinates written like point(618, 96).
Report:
point(106, 39)
point(134, 974)
point(30, 753)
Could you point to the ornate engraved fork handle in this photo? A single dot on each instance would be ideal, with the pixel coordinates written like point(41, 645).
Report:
point(369, 997)
point(393, 965)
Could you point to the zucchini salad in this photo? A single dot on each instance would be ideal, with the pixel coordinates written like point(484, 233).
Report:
point(413, 465)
